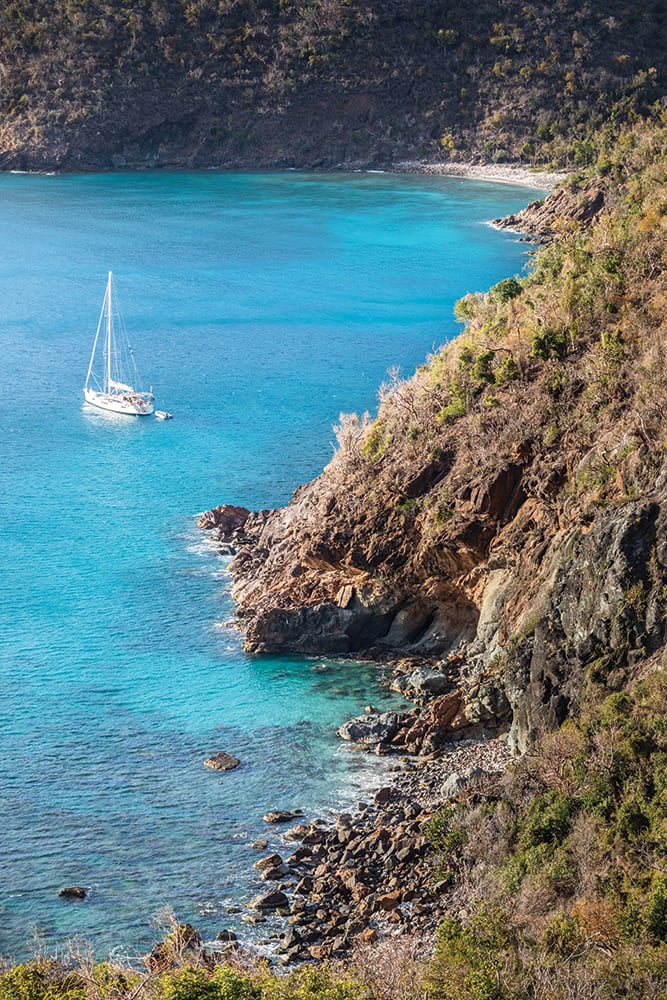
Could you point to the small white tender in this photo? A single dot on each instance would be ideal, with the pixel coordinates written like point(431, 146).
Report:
point(114, 384)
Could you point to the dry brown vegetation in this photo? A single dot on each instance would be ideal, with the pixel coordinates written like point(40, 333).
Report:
point(320, 82)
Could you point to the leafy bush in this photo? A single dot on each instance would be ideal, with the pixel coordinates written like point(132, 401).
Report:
point(506, 290)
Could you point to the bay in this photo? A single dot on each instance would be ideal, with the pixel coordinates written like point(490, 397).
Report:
point(260, 306)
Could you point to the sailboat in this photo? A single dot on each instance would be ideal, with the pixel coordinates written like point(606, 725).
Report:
point(112, 382)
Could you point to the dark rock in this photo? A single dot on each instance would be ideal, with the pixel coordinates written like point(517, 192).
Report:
point(300, 855)
point(273, 900)
point(383, 795)
point(270, 861)
point(290, 938)
point(226, 936)
point(371, 728)
point(304, 886)
point(73, 892)
point(320, 951)
point(297, 832)
point(281, 815)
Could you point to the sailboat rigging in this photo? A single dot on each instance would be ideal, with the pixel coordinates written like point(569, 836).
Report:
point(112, 382)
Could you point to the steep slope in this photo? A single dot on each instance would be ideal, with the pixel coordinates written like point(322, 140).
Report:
point(505, 511)
point(94, 84)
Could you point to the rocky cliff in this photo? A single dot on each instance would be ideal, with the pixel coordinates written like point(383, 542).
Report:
point(504, 514)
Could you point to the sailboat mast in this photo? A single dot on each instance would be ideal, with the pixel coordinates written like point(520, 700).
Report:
point(108, 380)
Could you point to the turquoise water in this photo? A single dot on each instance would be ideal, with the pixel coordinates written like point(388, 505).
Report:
point(260, 306)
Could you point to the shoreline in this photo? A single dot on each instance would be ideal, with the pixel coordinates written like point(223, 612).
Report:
point(493, 173)
point(509, 173)
point(367, 872)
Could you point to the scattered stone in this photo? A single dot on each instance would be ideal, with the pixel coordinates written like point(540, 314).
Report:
point(73, 892)
point(270, 861)
point(222, 762)
point(282, 815)
point(260, 845)
point(389, 901)
point(226, 936)
point(273, 900)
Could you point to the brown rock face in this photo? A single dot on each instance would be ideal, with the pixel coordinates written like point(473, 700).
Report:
point(567, 205)
point(506, 512)
point(226, 519)
point(222, 762)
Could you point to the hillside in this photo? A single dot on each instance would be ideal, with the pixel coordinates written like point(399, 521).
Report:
point(90, 84)
point(504, 513)
point(503, 517)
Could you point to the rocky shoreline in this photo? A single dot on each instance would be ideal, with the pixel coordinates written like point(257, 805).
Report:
point(372, 873)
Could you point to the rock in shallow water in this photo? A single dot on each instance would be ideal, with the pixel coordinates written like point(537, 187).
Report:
point(273, 900)
point(222, 762)
point(281, 815)
point(371, 728)
point(73, 892)
point(227, 518)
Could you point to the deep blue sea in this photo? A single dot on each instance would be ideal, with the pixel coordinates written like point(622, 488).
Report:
point(260, 306)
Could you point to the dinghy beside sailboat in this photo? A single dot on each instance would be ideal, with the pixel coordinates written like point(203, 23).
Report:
point(112, 382)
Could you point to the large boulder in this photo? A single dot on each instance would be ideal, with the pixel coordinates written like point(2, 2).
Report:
point(375, 727)
point(273, 900)
point(423, 681)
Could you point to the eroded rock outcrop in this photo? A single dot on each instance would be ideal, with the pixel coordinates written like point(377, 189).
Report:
point(517, 598)
point(569, 205)
point(505, 515)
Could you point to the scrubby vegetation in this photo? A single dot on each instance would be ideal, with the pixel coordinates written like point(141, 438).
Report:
point(561, 367)
point(564, 863)
point(555, 875)
point(321, 81)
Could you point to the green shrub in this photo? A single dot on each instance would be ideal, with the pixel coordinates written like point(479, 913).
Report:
point(375, 443)
point(506, 290)
point(549, 342)
point(506, 371)
point(656, 916)
point(455, 409)
point(548, 819)
point(42, 979)
point(467, 962)
point(194, 984)
point(563, 935)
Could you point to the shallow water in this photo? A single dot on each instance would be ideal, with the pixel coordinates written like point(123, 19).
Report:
point(260, 306)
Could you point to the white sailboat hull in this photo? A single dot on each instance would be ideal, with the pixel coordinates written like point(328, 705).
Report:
point(110, 385)
point(132, 404)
